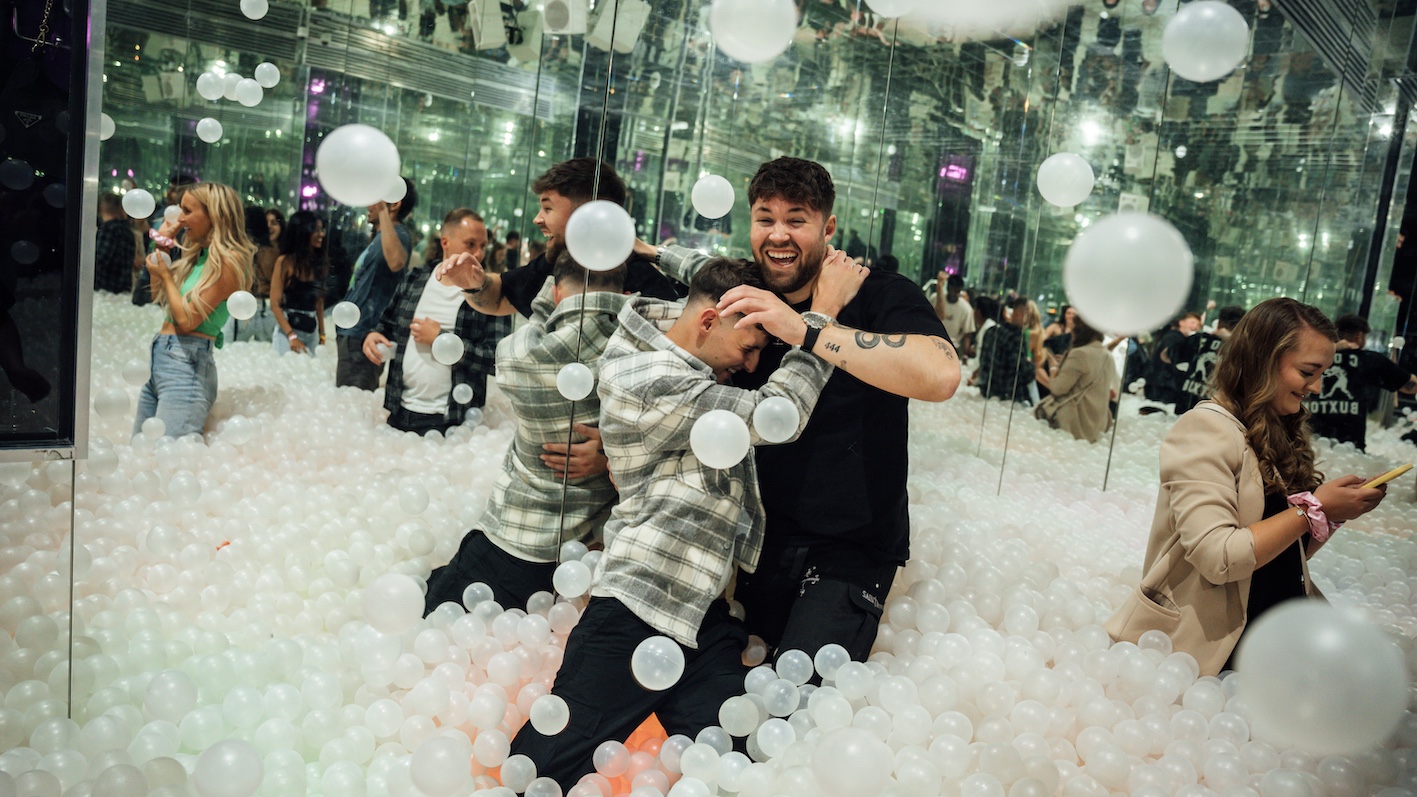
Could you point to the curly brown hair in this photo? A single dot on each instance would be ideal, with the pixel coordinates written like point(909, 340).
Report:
point(1244, 383)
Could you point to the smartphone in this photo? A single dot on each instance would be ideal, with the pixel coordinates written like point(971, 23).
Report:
point(1389, 476)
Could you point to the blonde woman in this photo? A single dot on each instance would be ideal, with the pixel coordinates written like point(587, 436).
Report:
point(1032, 325)
point(215, 262)
point(1242, 506)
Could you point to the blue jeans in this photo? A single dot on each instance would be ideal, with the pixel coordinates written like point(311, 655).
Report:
point(182, 386)
point(281, 343)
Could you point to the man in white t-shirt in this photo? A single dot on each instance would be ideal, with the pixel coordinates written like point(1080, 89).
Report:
point(419, 392)
point(955, 312)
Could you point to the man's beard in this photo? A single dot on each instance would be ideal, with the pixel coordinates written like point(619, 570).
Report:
point(809, 265)
point(554, 247)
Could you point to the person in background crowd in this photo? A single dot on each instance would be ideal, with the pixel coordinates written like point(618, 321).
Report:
point(1242, 505)
point(215, 262)
point(1163, 379)
point(1058, 335)
point(113, 247)
point(534, 249)
point(512, 257)
point(275, 225)
point(1086, 382)
point(1350, 386)
point(298, 286)
point(1199, 354)
point(419, 391)
point(1033, 340)
point(955, 311)
point(377, 274)
point(1006, 367)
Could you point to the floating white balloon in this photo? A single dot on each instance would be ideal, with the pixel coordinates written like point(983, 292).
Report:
point(136, 372)
point(267, 74)
point(1305, 686)
point(720, 439)
point(575, 381)
point(1065, 179)
point(397, 191)
point(448, 348)
point(209, 130)
point(1128, 273)
point(462, 393)
point(241, 305)
point(776, 419)
point(139, 203)
point(1205, 41)
point(657, 663)
point(209, 86)
point(713, 196)
point(249, 92)
point(229, 81)
point(753, 31)
point(345, 314)
point(357, 164)
point(600, 235)
point(106, 127)
point(255, 9)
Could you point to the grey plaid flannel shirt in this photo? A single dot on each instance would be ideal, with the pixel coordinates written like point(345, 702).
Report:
point(680, 526)
point(524, 512)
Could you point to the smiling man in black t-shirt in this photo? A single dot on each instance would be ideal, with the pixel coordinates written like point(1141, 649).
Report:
point(1341, 410)
point(836, 503)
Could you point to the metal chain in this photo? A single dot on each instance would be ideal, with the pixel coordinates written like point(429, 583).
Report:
point(43, 27)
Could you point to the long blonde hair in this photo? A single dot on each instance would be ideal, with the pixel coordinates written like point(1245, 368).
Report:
point(1244, 383)
point(227, 245)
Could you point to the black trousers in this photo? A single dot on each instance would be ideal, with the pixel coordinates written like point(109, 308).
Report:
point(352, 368)
point(406, 420)
point(513, 581)
point(606, 702)
point(803, 598)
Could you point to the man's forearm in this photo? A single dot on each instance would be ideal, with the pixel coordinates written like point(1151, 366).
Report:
point(914, 366)
point(394, 253)
point(488, 300)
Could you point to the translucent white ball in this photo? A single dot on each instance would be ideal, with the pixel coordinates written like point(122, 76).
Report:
point(228, 85)
point(448, 348)
point(1205, 41)
point(518, 772)
point(571, 579)
point(356, 164)
point(1065, 179)
point(249, 93)
point(1128, 273)
point(267, 74)
point(575, 381)
point(345, 314)
point(719, 439)
point(852, 761)
point(171, 213)
point(209, 86)
point(1297, 664)
point(112, 404)
point(393, 603)
point(549, 715)
point(255, 9)
point(462, 393)
point(139, 203)
point(657, 663)
point(600, 235)
point(136, 373)
point(241, 305)
point(209, 130)
point(229, 768)
point(441, 767)
point(396, 191)
point(776, 419)
point(106, 127)
point(753, 31)
point(713, 196)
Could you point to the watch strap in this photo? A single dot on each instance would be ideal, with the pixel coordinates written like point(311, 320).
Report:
point(809, 340)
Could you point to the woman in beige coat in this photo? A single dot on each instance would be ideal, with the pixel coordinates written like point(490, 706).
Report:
point(1082, 388)
point(1242, 507)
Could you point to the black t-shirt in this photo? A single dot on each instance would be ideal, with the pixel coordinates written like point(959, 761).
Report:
point(1280, 580)
point(842, 482)
point(1163, 383)
point(1341, 410)
point(1201, 351)
point(520, 286)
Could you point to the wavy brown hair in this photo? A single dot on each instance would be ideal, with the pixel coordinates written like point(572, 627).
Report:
point(1244, 383)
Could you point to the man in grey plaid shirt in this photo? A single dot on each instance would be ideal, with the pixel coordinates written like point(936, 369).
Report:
point(516, 549)
point(681, 527)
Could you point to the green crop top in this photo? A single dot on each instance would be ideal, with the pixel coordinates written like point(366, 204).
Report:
point(217, 318)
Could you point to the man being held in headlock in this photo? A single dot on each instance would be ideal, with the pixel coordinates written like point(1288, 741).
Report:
point(835, 499)
point(1201, 352)
point(515, 550)
point(681, 528)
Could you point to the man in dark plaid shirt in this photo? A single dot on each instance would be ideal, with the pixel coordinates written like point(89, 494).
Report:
point(113, 247)
point(681, 527)
point(516, 548)
point(401, 325)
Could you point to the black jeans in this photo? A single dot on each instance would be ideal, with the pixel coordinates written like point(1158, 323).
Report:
point(513, 581)
point(802, 598)
point(406, 420)
point(352, 368)
point(607, 703)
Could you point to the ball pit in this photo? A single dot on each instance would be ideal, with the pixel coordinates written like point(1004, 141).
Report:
point(246, 618)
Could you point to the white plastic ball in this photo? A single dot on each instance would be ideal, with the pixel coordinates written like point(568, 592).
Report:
point(254, 9)
point(600, 235)
point(106, 127)
point(229, 768)
point(345, 314)
point(356, 164)
point(713, 196)
point(1304, 687)
point(267, 74)
point(575, 381)
point(209, 130)
point(112, 403)
point(852, 761)
point(1065, 179)
point(172, 213)
point(518, 772)
point(571, 579)
point(1128, 273)
point(249, 93)
point(241, 305)
point(776, 419)
point(209, 86)
point(549, 715)
point(139, 203)
point(393, 603)
point(462, 393)
point(753, 31)
point(441, 767)
point(448, 348)
point(229, 82)
point(657, 663)
point(720, 439)
point(1205, 41)
point(136, 372)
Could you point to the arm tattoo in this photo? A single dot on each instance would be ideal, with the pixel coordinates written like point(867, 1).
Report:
point(869, 340)
point(949, 351)
point(484, 301)
point(833, 347)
